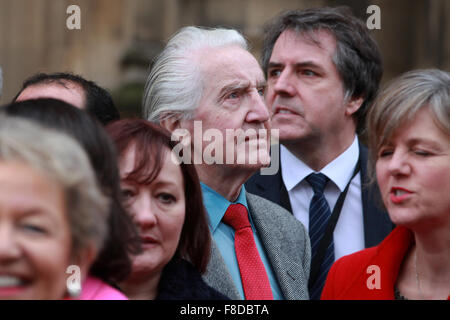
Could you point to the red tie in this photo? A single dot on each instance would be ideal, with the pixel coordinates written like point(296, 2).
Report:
point(253, 274)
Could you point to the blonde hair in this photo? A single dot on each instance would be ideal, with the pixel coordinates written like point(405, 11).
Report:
point(62, 159)
point(399, 102)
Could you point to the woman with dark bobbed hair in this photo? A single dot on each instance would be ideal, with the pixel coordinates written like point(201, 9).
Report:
point(165, 200)
point(409, 143)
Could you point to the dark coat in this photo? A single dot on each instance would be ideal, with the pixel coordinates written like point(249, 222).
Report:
point(377, 224)
point(180, 280)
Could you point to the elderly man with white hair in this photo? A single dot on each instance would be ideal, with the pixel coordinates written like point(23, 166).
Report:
point(206, 82)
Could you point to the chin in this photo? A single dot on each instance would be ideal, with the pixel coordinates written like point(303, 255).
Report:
point(287, 136)
point(410, 218)
point(245, 167)
point(143, 265)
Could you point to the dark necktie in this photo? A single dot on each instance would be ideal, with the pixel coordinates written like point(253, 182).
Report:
point(319, 215)
point(253, 273)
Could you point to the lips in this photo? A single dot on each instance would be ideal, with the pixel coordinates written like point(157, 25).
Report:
point(281, 110)
point(148, 240)
point(399, 195)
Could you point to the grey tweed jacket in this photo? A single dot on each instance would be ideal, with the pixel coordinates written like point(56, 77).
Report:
point(287, 247)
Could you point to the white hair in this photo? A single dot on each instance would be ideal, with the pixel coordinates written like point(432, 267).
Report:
point(174, 86)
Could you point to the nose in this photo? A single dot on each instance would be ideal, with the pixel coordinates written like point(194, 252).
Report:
point(283, 84)
point(398, 164)
point(259, 113)
point(143, 211)
point(9, 248)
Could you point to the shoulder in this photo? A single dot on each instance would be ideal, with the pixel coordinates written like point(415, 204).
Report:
point(277, 225)
point(355, 262)
point(391, 248)
point(348, 277)
point(264, 184)
point(265, 209)
point(95, 289)
point(182, 281)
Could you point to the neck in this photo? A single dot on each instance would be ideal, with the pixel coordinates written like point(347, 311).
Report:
point(141, 288)
point(318, 152)
point(227, 181)
point(425, 272)
point(433, 255)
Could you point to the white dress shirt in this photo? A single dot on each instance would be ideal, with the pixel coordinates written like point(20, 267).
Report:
point(349, 231)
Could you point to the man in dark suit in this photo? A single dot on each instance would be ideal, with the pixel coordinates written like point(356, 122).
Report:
point(323, 70)
point(207, 85)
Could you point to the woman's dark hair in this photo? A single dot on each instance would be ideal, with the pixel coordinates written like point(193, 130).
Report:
point(113, 262)
point(150, 141)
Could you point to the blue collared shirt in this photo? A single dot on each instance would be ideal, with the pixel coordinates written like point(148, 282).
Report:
point(216, 206)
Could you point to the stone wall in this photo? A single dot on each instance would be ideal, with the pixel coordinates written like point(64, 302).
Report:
point(118, 38)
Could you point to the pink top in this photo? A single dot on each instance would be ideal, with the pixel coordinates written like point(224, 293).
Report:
point(95, 289)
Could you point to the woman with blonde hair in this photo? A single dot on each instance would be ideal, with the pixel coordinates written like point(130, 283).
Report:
point(53, 216)
point(409, 142)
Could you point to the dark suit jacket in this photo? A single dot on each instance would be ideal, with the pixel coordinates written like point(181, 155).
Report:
point(180, 280)
point(377, 224)
point(286, 244)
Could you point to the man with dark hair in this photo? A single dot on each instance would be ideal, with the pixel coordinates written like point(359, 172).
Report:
point(323, 70)
point(73, 89)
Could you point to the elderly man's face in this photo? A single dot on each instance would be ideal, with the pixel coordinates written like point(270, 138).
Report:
point(232, 99)
point(70, 93)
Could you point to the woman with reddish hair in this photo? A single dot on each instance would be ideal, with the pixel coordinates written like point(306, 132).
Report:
point(165, 201)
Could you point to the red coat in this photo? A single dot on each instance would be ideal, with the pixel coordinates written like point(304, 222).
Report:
point(354, 277)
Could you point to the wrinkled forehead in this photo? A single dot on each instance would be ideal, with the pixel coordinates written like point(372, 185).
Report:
point(230, 64)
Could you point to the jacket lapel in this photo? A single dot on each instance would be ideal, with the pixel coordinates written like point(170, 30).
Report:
point(218, 276)
point(286, 270)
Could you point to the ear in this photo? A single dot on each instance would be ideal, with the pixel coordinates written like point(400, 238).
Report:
point(170, 124)
point(84, 259)
point(353, 105)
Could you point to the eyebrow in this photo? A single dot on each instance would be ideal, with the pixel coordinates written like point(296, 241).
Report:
point(414, 141)
point(156, 182)
point(240, 85)
point(27, 212)
point(429, 142)
point(304, 64)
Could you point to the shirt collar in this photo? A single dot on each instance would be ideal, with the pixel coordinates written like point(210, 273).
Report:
point(339, 170)
point(216, 205)
point(292, 177)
